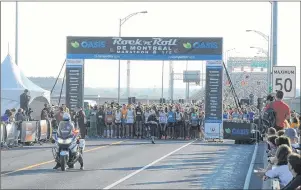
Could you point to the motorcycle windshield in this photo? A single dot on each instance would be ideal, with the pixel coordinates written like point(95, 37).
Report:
point(65, 129)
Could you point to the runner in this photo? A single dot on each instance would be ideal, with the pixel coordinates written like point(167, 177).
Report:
point(118, 127)
point(162, 122)
point(171, 119)
point(146, 130)
point(139, 120)
point(194, 123)
point(123, 120)
point(130, 121)
point(109, 118)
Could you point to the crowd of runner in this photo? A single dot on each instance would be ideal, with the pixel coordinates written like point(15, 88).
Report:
point(175, 121)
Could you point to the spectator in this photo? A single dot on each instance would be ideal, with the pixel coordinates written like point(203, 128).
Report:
point(272, 144)
point(294, 165)
point(281, 109)
point(292, 135)
point(280, 133)
point(81, 118)
point(24, 101)
point(283, 140)
point(59, 115)
point(45, 112)
point(295, 123)
point(5, 117)
point(65, 108)
point(281, 171)
point(272, 131)
point(19, 117)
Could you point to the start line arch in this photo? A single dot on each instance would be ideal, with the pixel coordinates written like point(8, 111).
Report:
point(208, 49)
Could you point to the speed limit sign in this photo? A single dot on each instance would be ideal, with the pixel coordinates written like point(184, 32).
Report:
point(284, 79)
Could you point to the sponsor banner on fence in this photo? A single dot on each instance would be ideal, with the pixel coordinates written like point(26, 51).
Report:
point(144, 48)
point(10, 131)
point(43, 129)
point(28, 131)
point(237, 131)
point(213, 130)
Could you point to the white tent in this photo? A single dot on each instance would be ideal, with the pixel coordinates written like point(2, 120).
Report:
point(13, 84)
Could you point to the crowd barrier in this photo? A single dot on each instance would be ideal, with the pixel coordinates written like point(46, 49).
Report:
point(25, 132)
point(241, 132)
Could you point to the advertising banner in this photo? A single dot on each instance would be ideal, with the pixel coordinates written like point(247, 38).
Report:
point(10, 131)
point(74, 83)
point(28, 131)
point(144, 48)
point(214, 99)
point(238, 131)
point(43, 129)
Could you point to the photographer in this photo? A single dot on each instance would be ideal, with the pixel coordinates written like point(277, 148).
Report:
point(24, 101)
point(281, 111)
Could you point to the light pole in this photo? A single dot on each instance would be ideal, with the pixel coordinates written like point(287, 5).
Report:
point(121, 22)
point(261, 50)
point(226, 55)
point(267, 38)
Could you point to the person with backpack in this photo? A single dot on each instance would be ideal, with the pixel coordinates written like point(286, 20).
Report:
point(277, 112)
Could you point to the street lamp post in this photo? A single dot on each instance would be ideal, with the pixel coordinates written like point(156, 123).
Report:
point(261, 50)
point(121, 22)
point(269, 66)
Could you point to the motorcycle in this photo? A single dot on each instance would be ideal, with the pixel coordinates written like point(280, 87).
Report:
point(68, 147)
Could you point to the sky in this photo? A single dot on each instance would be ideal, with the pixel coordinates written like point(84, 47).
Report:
point(43, 27)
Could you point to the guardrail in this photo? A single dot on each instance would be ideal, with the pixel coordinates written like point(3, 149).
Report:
point(25, 132)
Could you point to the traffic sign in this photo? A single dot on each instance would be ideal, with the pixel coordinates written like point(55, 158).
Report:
point(284, 79)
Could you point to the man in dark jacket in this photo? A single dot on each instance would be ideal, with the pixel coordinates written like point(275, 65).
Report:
point(139, 120)
point(19, 118)
point(152, 121)
point(24, 101)
point(100, 121)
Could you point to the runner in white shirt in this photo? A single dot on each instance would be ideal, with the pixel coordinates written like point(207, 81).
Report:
point(162, 122)
point(130, 120)
point(118, 122)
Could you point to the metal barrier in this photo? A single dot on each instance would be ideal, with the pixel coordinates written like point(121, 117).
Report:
point(11, 133)
point(42, 130)
point(29, 131)
point(2, 133)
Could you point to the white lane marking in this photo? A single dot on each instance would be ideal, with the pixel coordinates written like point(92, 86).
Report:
point(145, 167)
point(250, 171)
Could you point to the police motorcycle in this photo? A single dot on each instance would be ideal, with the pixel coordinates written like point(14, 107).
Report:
point(68, 147)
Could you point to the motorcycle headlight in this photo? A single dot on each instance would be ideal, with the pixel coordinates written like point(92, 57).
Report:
point(62, 141)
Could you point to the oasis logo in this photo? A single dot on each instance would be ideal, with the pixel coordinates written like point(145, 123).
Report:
point(88, 44)
point(201, 45)
point(237, 131)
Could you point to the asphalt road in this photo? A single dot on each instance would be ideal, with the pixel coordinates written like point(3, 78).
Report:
point(131, 164)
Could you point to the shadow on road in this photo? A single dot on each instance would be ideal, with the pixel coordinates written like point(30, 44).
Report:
point(221, 169)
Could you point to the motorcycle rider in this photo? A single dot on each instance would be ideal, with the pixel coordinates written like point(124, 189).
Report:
point(67, 125)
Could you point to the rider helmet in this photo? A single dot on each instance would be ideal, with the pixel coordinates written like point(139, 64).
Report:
point(66, 116)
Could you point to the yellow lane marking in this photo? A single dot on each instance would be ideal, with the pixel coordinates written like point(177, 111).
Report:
point(50, 161)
